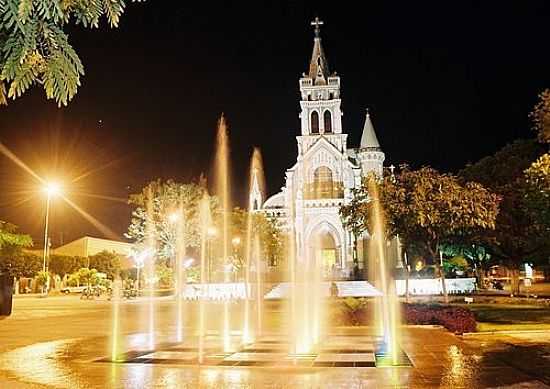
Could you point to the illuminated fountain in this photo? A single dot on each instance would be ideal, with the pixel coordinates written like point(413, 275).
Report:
point(150, 269)
point(308, 291)
point(205, 221)
point(253, 253)
point(222, 174)
point(308, 336)
point(115, 331)
point(177, 222)
point(387, 306)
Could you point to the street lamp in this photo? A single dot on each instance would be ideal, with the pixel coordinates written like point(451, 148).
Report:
point(51, 189)
point(236, 241)
point(173, 217)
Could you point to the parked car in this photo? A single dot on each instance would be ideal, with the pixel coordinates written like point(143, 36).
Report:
point(73, 289)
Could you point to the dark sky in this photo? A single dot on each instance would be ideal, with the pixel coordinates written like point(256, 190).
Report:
point(447, 83)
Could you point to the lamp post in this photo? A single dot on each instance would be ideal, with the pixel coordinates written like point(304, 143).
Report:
point(51, 189)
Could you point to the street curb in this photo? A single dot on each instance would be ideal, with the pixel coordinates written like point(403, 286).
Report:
point(504, 332)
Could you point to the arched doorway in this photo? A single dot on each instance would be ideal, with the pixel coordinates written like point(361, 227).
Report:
point(324, 247)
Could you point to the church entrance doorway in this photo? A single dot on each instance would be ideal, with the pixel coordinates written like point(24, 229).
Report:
point(326, 254)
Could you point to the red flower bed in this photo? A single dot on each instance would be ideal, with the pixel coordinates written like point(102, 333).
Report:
point(455, 319)
point(353, 312)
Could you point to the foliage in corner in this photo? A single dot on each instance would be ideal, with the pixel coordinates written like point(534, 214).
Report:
point(12, 258)
point(538, 193)
point(35, 48)
point(520, 233)
point(541, 116)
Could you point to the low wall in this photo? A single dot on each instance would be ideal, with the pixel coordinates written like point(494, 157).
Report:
point(221, 291)
point(433, 286)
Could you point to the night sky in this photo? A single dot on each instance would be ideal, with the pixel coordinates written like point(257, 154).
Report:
point(446, 82)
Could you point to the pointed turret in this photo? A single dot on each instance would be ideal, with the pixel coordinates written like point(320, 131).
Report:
point(370, 155)
point(255, 197)
point(368, 139)
point(318, 66)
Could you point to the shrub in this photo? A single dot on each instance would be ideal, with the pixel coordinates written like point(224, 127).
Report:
point(454, 319)
point(42, 278)
point(356, 312)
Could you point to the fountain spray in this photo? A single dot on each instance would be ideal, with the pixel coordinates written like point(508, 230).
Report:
point(205, 220)
point(179, 252)
point(150, 267)
point(222, 190)
point(389, 301)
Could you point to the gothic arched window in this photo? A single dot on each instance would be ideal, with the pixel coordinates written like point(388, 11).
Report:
point(314, 122)
point(322, 183)
point(328, 121)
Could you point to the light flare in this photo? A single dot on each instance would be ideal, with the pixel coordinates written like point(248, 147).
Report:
point(93, 221)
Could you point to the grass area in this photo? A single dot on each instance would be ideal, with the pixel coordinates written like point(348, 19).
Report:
point(507, 317)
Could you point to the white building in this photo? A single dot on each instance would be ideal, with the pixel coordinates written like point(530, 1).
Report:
point(326, 170)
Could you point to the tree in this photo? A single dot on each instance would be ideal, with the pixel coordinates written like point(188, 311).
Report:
point(538, 191)
point(541, 117)
point(106, 262)
point(151, 221)
point(518, 235)
point(473, 251)
point(10, 237)
point(164, 276)
point(64, 264)
point(12, 259)
point(271, 244)
point(18, 263)
point(36, 49)
point(42, 279)
point(88, 276)
point(426, 208)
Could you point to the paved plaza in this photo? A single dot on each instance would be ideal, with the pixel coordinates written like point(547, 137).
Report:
point(62, 342)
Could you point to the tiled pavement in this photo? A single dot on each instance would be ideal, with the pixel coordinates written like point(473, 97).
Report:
point(60, 351)
point(270, 351)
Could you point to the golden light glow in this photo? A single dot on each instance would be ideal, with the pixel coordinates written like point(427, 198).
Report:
point(174, 217)
point(236, 241)
point(52, 188)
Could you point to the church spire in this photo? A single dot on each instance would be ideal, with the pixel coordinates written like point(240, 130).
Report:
point(256, 197)
point(318, 66)
point(368, 139)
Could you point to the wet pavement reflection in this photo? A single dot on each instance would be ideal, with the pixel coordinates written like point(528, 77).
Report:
point(440, 360)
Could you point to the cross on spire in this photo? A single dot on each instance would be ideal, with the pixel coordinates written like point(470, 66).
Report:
point(317, 23)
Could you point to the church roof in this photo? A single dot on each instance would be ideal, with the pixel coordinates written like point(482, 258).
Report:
point(368, 139)
point(275, 201)
point(318, 66)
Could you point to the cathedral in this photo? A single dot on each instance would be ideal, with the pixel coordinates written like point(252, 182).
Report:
point(325, 173)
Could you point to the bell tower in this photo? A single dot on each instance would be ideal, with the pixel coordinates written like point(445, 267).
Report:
point(320, 93)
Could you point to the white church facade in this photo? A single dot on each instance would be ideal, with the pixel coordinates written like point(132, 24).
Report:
point(325, 173)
